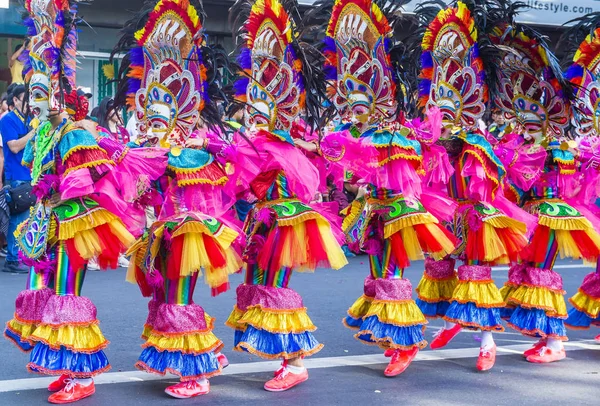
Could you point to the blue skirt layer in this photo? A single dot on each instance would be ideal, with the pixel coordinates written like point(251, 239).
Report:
point(469, 315)
point(506, 312)
point(433, 310)
point(25, 346)
point(351, 322)
point(47, 361)
point(536, 323)
point(580, 320)
point(261, 342)
point(177, 363)
point(374, 331)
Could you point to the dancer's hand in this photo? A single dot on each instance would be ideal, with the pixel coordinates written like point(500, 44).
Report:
point(89, 126)
point(54, 200)
point(196, 142)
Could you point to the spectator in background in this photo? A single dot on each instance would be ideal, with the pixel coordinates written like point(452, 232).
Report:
point(110, 119)
point(4, 105)
point(15, 65)
point(499, 124)
point(14, 128)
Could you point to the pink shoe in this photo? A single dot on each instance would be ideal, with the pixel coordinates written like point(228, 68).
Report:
point(281, 368)
point(60, 383)
point(536, 347)
point(546, 355)
point(223, 361)
point(72, 392)
point(286, 380)
point(444, 336)
point(400, 361)
point(597, 338)
point(486, 359)
point(188, 389)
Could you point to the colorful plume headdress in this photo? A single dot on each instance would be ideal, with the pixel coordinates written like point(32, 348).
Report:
point(453, 75)
point(358, 46)
point(530, 89)
point(277, 82)
point(49, 63)
point(168, 76)
point(584, 74)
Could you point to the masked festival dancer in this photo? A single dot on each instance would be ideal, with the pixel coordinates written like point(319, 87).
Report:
point(284, 233)
point(391, 225)
point(172, 82)
point(492, 230)
point(73, 221)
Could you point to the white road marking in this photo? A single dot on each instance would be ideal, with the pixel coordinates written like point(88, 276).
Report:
point(14, 385)
point(567, 266)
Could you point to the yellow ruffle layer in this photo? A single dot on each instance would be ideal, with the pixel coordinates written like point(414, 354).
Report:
point(88, 243)
point(436, 290)
point(483, 294)
point(274, 321)
point(413, 248)
point(506, 222)
point(195, 343)
point(83, 339)
point(360, 307)
point(564, 223)
point(586, 304)
point(397, 313)
point(506, 292)
point(534, 297)
point(23, 330)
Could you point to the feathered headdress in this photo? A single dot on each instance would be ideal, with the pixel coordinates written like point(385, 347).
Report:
point(273, 64)
point(530, 88)
point(453, 74)
point(166, 78)
point(49, 63)
point(358, 44)
point(584, 74)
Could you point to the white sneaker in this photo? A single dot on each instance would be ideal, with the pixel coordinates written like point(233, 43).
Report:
point(123, 261)
point(92, 265)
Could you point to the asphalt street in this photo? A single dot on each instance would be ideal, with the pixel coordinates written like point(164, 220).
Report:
point(344, 372)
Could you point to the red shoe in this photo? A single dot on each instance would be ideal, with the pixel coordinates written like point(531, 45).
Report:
point(281, 368)
point(400, 361)
point(188, 389)
point(536, 347)
point(546, 355)
point(389, 352)
point(286, 380)
point(486, 359)
point(58, 384)
point(444, 336)
point(223, 361)
point(597, 338)
point(72, 392)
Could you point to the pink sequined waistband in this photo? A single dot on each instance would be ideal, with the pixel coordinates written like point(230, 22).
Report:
point(388, 289)
point(30, 304)
point(173, 318)
point(591, 285)
point(474, 273)
point(439, 269)
point(544, 278)
point(69, 309)
point(267, 297)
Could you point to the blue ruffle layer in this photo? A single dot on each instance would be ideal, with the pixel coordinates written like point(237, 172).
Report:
point(579, 319)
point(264, 342)
point(374, 331)
point(506, 312)
point(536, 323)
point(45, 360)
point(184, 365)
point(352, 322)
point(25, 346)
point(471, 316)
point(432, 310)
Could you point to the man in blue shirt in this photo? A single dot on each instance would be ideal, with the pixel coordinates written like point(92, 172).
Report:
point(16, 133)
